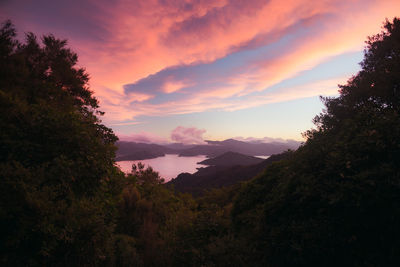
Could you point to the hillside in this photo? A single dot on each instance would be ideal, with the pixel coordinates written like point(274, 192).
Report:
point(208, 150)
point(215, 148)
point(220, 176)
point(139, 151)
point(231, 159)
point(335, 201)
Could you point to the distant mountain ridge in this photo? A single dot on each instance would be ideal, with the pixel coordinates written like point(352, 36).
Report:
point(231, 159)
point(140, 151)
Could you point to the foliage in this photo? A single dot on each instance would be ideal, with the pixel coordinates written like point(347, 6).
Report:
point(161, 228)
point(58, 179)
point(150, 215)
point(336, 200)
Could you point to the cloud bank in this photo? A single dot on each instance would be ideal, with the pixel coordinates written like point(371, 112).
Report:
point(180, 134)
point(157, 58)
point(188, 135)
point(143, 137)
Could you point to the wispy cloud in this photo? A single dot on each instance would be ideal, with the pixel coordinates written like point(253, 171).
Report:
point(220, 64)
point(125, 123)
point(157, 58)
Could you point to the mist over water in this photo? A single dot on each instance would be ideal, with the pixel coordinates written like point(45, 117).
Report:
point(168, 166)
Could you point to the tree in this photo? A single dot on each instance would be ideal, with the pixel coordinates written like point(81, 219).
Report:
point(150, 219)
point(58, 176)
point(336, 200)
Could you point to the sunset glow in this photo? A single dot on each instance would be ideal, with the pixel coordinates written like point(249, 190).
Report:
point(199, 69)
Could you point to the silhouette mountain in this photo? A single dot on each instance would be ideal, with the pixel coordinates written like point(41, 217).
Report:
point(219, 176)
point(231, 159)
point(215, 148)
point(139, 151)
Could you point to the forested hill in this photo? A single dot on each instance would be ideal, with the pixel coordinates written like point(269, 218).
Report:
point(140, 151)
point(231, 159)
point(216, 148)
point(336, 200)
point(221, 175)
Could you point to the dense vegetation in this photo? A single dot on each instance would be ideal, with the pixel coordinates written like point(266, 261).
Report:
point(63, 202)
point(336, 201)
point(57, 168)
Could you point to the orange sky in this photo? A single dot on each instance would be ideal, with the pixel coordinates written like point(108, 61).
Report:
point(183, 62)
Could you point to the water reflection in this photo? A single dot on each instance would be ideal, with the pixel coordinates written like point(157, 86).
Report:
point(168, 166)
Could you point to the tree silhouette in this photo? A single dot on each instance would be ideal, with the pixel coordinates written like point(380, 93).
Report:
point(336, 201)
point(58, 178)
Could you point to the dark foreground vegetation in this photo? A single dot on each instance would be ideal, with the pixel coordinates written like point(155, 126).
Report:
point(333, 202)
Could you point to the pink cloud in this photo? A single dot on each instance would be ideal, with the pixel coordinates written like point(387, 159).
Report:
point(143, 137)
point(208, 101)
point(180, 134)
point(147, 36)
point(187, 135)
point(128, 41)
point(343, 33)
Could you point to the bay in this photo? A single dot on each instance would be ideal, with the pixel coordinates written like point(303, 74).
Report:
point(262, 157)
point(168, 166)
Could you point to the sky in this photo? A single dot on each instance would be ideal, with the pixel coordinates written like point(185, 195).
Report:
point(190, 70)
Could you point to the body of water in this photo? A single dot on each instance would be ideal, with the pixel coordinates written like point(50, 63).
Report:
point(168, 166)
point(262, 157)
